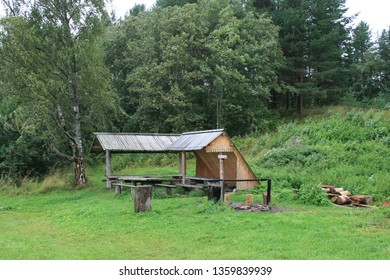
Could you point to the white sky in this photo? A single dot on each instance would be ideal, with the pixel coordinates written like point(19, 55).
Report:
point(374, 12)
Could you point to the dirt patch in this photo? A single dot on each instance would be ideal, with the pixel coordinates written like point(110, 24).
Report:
point(257, 207)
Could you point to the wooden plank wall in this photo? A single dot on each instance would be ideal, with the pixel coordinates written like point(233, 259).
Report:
point(207, 163)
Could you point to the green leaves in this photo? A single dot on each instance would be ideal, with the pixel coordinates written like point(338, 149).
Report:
point(195, 67)
point(52, 67)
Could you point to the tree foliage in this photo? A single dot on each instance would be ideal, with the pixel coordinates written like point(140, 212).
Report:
point(68, 70)
point(313, 36)
point(195, 67)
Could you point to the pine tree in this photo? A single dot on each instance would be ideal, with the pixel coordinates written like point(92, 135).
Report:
point(384, 55)
point(313, 35)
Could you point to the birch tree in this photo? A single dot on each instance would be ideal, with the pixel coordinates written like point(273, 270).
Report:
point(52, 64)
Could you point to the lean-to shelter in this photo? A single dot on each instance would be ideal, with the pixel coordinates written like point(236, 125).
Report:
point(210, 148)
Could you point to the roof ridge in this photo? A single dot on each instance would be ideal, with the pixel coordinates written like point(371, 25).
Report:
point(203, 131)
point(137, 134)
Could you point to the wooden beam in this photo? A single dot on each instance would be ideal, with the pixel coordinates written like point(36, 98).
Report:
point(222, 158)
point(183, 166)
point(108, 168)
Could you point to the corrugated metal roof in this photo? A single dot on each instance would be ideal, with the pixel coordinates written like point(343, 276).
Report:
point(132, 142)
point(195, 141)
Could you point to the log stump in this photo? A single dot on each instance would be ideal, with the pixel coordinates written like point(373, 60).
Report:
point(248, 200)
point(265, 198)
point(142, 198)
point(386, 203)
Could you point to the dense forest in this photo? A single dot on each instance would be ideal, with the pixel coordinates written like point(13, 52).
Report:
point(69, 68)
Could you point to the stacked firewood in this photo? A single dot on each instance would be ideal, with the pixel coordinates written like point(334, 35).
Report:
point(343, 197)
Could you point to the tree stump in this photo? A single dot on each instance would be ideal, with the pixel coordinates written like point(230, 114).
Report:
point(386, 203)
point(265, 198)
point(248, 200)
point(142, 198)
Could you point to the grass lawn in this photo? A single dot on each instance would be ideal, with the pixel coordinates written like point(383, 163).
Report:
point(94, 224)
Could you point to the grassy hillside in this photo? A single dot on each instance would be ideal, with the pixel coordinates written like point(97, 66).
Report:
point(350, 149)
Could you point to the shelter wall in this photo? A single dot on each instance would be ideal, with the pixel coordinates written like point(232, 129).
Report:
point(207, 165)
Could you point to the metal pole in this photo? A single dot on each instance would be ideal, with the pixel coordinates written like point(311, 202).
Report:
point(268, 191)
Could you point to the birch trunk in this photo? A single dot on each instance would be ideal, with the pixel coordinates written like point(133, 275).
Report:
point(78, 148)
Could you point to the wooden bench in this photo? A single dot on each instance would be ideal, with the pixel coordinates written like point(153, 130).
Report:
point(118, 186)
point(167, 187)
point(191, 186)
point(214, 185)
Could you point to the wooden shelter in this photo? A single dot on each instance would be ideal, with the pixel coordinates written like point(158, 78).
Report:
point(216, 154)
point(130, 143)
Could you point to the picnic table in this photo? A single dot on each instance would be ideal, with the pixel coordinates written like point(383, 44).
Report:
point(135, 180)
point(120, 181)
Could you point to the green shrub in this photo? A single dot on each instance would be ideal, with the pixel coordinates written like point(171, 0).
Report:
point(313, 194)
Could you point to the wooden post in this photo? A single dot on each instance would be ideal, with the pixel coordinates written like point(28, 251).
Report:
point(118, 190)
point(108, 168)
point(142, 198)
point(213, 192)
point(222, 175)
point(182, 166)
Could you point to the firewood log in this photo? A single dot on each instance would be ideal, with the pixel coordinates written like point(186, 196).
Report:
point(327, 190)
point(337, 190)
point(341, 200)
point(344, 193)
point(362, 199)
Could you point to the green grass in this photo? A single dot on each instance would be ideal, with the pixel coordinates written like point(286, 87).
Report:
point(95, 224)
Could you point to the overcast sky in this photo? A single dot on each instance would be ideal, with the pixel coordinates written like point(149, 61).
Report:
point(374, 12)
